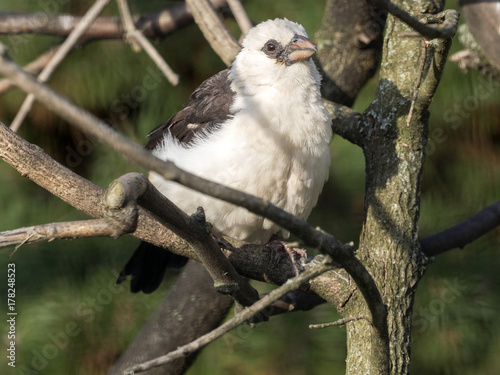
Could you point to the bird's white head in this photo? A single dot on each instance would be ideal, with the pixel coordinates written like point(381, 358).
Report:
point(274, 50)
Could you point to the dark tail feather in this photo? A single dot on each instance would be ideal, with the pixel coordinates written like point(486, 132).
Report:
point(147, 267)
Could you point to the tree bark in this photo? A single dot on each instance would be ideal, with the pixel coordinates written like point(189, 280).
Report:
point(181, 318)
point(397, 125)
point(349, 46)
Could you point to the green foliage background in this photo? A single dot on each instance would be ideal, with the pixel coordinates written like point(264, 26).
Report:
point(73, 320)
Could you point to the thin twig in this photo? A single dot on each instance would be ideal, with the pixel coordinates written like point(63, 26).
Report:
point(219, 37)
point(55, 231)
point(137, 40)
point(241, 16)
point(59, 56)
point(312, 270)
point(340, 322)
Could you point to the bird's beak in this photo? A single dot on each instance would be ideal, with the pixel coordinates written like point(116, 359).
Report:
point(300, 48)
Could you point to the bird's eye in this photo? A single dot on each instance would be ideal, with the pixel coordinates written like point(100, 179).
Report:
point(271, 48)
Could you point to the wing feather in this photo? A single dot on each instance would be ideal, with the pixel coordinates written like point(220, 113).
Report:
point(208, 107)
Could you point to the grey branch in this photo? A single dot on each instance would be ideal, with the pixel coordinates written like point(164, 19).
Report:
point(59, 56)
point(55, 231)
point(347, 123)
point(250, 260)
point(313, 269)
point(214, 30)
point(240, 15)
point(33, 67)
point(138, 40)
point(152, 25)
point(340, 322)
point(134, 188)
point(442, 25)
point(461, 234)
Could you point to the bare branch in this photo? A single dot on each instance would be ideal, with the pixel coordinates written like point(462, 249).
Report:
point(152, 25)
point(349, 47)
point(33, 67)
point(138, 40)
point(221, 40)
point(313, 269)
point(250, 260)
point(32, 162)
point(59, 56)
point(340, 322)
point(134, 187)
point(241, 16)
point(191, 297)
point(461, 234)
point(55, 231)
point(347, 123)
point(447, 21)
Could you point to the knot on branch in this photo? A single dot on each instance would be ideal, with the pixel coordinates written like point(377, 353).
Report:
point(121, 203)
point(445, 23)
point(199, 216)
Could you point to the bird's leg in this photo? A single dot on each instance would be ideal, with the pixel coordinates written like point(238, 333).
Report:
point(223, 244)
point(282, 250)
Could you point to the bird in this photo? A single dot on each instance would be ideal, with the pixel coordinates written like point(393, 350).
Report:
point(258, 126)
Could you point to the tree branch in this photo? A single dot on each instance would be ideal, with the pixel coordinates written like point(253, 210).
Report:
point(313, 269)
point(59, 56)
point(349, 47)
point(33, 67)
point(138, 40)
point(134, 188)
point(250, 260)
point(347, 123)
point(152, 25)
point(219, 37)
point(55, 231)
point(340, 322)
point(241, 16)
point(202, 309)
point(461, 234)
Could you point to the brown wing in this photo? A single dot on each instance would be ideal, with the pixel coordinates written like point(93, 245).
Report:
point(207, 109)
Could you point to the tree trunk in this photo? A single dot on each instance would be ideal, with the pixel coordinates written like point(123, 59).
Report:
point(191, 308)
point(396, 125)
point(349, 45)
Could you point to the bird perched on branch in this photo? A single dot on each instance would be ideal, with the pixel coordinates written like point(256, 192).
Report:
point(258, 126)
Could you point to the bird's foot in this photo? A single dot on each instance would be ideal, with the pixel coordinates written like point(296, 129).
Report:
point(281, 251)
point(223, 244)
